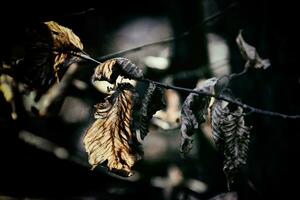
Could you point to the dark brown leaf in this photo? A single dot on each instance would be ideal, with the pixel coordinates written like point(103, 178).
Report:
point(231, 136)
point(110, 137)
point(250, 54)
point(64, 42)
point(194, 113)
point(111, 69)
point(143, 111)
point(47, 55)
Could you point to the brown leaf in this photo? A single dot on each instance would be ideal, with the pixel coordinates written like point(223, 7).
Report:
point(111, 69)
point(250, 54)
point(64, 42)
point(47, 55)
point(63, 38)
point(231, 135)
point(110, 137)
point(193, 113)
point(151, 101)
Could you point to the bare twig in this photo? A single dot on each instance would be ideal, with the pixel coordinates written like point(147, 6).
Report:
point(220, 97)
point(83, 12)
point(170, 39)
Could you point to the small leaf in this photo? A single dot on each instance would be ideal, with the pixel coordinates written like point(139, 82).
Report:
point(231, 136)
point(111, 69)
point(194, 113)
point(250, 54)
point(110, 137)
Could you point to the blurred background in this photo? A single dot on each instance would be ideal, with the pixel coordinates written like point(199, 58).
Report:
point(44, 158)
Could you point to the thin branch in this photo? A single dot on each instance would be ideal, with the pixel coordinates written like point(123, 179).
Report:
point(170, 39)
point(83, 12)
point(220, 97)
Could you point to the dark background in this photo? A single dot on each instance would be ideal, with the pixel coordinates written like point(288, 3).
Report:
point(271, 171)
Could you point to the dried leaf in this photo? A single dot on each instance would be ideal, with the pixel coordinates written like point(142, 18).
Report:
point(64, 42)
point(143, 111)
point(231, 136)
point(47, 55)
point(64, 38)
point(110, 137)
point(250, 54)
point(111, 69)
point(194, 113)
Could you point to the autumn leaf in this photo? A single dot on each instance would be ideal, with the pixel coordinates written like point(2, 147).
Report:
point(231, 135)
point(111, 69)
point(109, 140)
point(144, 109)
point(63, 37)
point(193, 113)
point(250, 54)
point(64, 42)
point(48, 54)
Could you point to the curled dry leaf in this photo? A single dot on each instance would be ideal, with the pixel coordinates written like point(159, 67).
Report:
point(194, 112)
point(47, 55)
point(64, 38)
point(143, 111)
point(250, 54)
point(231, 136)
point(64, 42)
point(111, 69)
point(110, 137)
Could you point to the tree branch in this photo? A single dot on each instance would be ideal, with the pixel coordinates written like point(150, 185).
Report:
point(220, 97)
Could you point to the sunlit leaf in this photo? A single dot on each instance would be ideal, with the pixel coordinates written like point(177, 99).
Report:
point(111, 69)
point(109, 140)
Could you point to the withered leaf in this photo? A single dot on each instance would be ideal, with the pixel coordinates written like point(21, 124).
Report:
point(250, 54)
point(63, 37)
point(47, 55)
point(110, 137)
point(231, 136)
point(111, 69)
point(194, 113)
point(143, 111)
point(64, 42)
